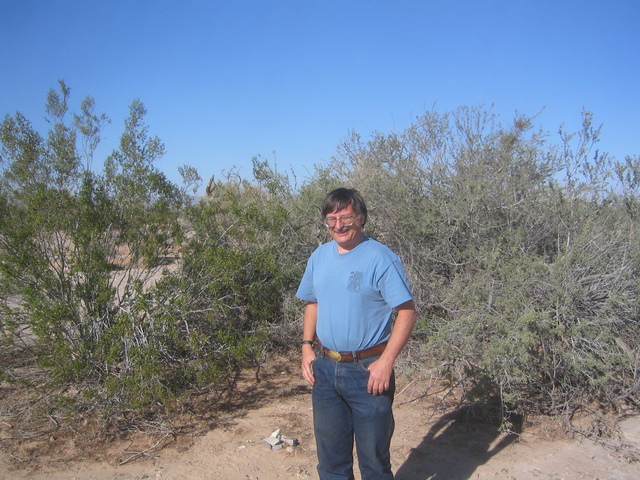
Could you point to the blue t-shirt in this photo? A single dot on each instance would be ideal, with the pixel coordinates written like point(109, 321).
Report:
point(356, 293)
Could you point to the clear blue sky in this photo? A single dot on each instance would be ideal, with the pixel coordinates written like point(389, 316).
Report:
point(224, 81)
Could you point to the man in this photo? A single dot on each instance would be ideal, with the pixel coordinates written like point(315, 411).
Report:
point(352, 285)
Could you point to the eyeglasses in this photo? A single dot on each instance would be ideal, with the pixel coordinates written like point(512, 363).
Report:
point(346, 221)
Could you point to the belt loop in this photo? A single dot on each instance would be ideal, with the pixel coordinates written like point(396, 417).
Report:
point(355, 356)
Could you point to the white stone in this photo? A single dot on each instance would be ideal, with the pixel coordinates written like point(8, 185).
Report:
point(273, 441)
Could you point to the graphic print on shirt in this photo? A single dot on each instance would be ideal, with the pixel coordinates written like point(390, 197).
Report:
point(355, 281)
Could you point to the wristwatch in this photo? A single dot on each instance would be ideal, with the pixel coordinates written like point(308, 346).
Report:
point(307, 342)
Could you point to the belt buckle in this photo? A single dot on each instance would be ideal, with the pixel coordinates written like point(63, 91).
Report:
point(335, 356)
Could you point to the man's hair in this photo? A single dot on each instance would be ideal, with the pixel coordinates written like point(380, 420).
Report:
point(343, 197)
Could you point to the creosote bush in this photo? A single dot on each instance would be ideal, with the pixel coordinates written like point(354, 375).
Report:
point(523, 255)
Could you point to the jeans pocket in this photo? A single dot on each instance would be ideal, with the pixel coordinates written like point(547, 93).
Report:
point(365, 362)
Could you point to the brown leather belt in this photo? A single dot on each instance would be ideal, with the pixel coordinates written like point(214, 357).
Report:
point(351, 356)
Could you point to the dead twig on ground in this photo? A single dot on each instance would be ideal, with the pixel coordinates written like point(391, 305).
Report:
point(144, 453)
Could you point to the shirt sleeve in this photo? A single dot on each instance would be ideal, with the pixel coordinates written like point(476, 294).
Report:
point(306, 291)
point(394, 285)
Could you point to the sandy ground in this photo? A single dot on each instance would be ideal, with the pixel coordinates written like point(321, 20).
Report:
point(430, 443)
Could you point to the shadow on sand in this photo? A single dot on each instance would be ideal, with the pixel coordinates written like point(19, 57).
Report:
point(454, 447)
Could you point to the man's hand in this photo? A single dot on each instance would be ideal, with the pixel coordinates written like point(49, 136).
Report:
point(308, 356)
point(380, 373)
point(381, 370)
point(308, 333)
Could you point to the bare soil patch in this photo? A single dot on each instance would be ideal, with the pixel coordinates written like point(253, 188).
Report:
point(224, 440)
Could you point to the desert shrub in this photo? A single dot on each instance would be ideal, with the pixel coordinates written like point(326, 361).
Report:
point(523, 255)
point(121, 289)
point(76, 246)
point(226, 306)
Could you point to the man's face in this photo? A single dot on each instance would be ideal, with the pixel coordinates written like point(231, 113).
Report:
point(346, 234)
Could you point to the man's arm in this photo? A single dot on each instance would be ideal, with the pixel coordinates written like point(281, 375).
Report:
point(309, 333)
point(380, 370)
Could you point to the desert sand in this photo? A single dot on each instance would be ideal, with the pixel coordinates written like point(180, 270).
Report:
point(432, 441)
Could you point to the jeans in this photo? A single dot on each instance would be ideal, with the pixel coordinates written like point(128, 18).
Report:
point(344, 410)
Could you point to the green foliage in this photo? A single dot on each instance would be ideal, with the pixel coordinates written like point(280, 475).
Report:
point(73, 242)
point(523, 256)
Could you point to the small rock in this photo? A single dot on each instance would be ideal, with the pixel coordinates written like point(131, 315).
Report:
point(274, 443)
point(291, 441)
